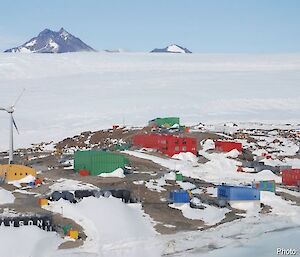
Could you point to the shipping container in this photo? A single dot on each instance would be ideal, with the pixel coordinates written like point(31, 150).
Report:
point(67, 228)
point(179, 196)
point(166, 143)
point(291, 177)
point(97, 162)
point(73, 234)
point(266, 185)
point(227, 146)
point(179, 176)
point(238, 193)
point(43, 201)
point(166, 122)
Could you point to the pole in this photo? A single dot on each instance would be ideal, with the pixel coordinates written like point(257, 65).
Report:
point(11, 140)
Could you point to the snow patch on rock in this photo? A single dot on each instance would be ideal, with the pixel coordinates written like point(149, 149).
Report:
point(118, 173)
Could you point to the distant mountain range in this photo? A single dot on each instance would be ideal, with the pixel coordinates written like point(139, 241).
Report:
point(62, 41)
point(49, 41)
point(116, 50)
point(172, 49)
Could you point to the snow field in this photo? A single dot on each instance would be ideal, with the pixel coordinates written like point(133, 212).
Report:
point(133, 87)
point(28, 241)
point(6, 196)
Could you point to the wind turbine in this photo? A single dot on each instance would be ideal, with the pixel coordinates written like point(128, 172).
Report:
point(10, 110)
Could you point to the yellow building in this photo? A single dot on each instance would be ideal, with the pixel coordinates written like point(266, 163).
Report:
point(16, 172)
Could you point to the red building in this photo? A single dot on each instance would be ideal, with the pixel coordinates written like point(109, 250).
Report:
point(166, 144)
point(291, 177)
point(227, 146)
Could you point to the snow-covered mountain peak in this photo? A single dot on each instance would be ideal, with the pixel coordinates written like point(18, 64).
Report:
point(49, 41)
point(62, 30)
point(64, 34)
point(173, 48)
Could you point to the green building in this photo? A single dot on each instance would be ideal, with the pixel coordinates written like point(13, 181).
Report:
point(165, 122)
point(97, 162)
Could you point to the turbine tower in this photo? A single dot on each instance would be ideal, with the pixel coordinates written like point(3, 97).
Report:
point(10, 110)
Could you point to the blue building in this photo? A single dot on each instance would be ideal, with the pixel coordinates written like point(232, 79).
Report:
point(238, 193)
point(179, 196)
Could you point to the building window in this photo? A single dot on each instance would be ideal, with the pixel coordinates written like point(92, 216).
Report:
point(184, 142)
point(184, 148)
point(176, 148)
point(15, 173)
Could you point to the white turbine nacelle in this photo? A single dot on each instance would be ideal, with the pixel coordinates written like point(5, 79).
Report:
point(10, 110)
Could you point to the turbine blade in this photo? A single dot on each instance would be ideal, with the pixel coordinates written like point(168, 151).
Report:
point(2, 109)
point(15, 125)
point(19, 97)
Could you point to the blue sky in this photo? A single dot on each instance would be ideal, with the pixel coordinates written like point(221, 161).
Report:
point(211, 26)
